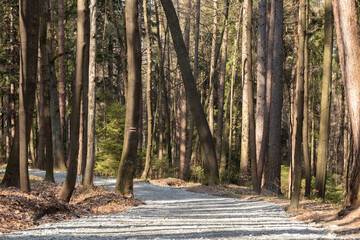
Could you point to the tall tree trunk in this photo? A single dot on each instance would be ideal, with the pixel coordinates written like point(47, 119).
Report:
point(298, 111)
point(62, 85)
point(212, 67)
point(273, 163)
point(221, 89)
point(260, 116)
point(56, 127)
point(322, 158)
point(232, 81)
point(124, 180)
point(90, 148)
point(307, 162)
point(348, 39)
point(207, 145)
point(69, 184)
point(148, 95)
point(29, 23)
point(196, 60)
point(248, 128)
point(184, 164)
point(45, 47)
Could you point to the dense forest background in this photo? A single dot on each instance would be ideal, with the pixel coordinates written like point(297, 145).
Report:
point(275, 80)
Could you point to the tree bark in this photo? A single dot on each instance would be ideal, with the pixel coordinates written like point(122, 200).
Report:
point(261, 88)
point(322, 158)
point(148, 95)
point(90, 148)
point(221, 89)
point(69, 184)
point(207, 144)
point(29, 25)
point(298, 111)
point(124, 180)
point(273, 163)
point(348, 39)
point(45, 47)
point(62, 86)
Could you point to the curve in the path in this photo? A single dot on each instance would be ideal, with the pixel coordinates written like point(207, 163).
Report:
point(178, 214)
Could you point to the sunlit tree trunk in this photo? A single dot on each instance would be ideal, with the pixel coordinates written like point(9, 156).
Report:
point(298, 111)
point(307, 162)
point(61, 80)
point(148, 95)
point(323, 147)
point(261, 87)
point(124, 180)
point(69, 184)
point(348, 41)
point(29, 23)
point(90, 148)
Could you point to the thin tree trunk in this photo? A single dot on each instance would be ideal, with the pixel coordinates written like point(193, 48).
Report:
point(124, 180)
point(45, 47)
point(298, 111)
point(196, 60)
point(90, 148)
point(306, 109)
point(213, 66)
point(148, 95)
point(69, 184)
point(62, 86)
point(322, 158)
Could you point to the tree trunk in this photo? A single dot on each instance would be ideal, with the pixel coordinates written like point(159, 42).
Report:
point(221, 89)
point(69, 184)
point(321, 166)
point(29, 23)
point(307, 162)
point(273, 163)
point(260, 116)
point(207, 144)
point(212, 67)
point(298, 111)
point(62, 86)
point(196, 60)
point(124, 180)
point(90, 148)
point(247, 103)
point(148, 95)
point(45, 47)
point(56, 127)
point(348, 39)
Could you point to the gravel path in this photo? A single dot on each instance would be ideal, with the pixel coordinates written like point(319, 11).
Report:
point(178, 214)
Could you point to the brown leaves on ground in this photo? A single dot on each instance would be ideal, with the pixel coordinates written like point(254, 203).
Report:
point(19, 210)
point(344, 225)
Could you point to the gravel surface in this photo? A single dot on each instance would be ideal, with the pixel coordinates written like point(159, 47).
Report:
point(178, 214)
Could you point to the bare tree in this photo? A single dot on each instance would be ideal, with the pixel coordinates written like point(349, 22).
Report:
point(207, 145)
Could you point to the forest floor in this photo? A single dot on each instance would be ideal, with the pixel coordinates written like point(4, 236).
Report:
point(19, 210)
point(345, 224)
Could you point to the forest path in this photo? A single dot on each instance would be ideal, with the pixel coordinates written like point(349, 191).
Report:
point(178, 214)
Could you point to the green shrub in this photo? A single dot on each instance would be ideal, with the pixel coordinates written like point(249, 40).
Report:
point(110, 138)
